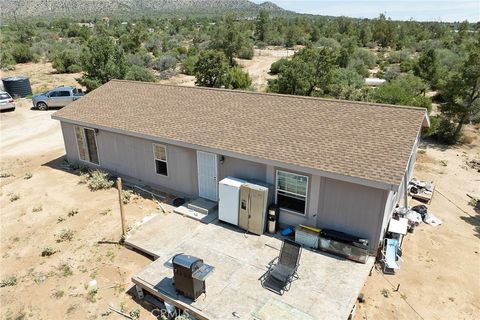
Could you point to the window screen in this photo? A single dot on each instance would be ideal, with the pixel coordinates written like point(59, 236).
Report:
point(292, 191)
point(160, 156)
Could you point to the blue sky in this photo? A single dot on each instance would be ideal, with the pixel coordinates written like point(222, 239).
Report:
point(426, 10)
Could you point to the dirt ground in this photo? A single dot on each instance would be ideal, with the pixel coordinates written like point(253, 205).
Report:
point(42, 76)
point(57, 286)
point(439, 278)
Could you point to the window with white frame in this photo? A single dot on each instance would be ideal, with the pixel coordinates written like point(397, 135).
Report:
point(87, 144)
point(160, 156)
point(292, 191)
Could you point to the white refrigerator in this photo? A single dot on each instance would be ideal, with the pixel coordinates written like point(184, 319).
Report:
point(229, 199)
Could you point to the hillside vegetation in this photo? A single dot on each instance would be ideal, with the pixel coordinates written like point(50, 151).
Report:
point(96, 8)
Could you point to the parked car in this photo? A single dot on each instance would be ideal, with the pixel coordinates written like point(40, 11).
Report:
point(56, 98)
point(6, 101)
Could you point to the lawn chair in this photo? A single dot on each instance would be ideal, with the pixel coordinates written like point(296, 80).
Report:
point(390, 256)
point(283, 269)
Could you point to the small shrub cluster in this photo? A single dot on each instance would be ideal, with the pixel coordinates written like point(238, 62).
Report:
point(14, 196)
point(65, 270)
point(28, 176)
point(127, 195)
point(48, 251)
point(105, 212)
point(92, 295)
point(37, 208)
point(57, 294)
point(98, 180)
point(72, 212)
point(5, 175)
point(65, 235)
point(9, 281)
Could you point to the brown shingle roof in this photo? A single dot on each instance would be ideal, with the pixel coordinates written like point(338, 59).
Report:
point(362, 140)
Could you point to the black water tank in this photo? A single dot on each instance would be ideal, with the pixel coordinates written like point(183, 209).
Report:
point(17, 86)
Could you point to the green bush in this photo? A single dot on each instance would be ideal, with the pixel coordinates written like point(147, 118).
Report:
point(407, 65)
point(277, 66)
point(74, 68)
point(138, 73)
point(6, 59)
point(188, 64)
point(366, 56)
point(66, 61)
point(238, 79)
point(246, 52)
point(442, 130)
point(22, 53)
point(166, 62)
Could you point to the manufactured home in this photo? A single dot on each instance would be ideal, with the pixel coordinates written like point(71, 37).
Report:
point(332, 164)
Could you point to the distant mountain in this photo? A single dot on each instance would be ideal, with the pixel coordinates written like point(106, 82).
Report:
point(95, 8)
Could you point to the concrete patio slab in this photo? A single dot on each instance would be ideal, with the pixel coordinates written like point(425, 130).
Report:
point(327, 288)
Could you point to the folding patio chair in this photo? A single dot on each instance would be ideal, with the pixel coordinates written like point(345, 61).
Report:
point(390, 256)
point(283, 269)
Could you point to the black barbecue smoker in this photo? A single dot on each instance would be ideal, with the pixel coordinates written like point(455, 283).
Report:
point(189, 274)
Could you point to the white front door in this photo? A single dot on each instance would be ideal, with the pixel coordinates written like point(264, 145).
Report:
point(207, 165)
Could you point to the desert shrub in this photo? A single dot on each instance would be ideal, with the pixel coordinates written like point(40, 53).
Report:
point(188, 64)
point(277, 65)
point(127, 195)
point(398, 56)
point(238, 79)
point(165, 62)
point(66, 61)
point(141, 58)
point(22, 53)
point(28, 175)
point(366, 56)
point(65, 270)
point(72, 212)
point(360, 67)
point(407, 65)
point(99, 180)
point(37, 208)
point(440, 129)
point(14, 196)
point(8, 281)
point(48, 251)
point(65, 235)
point(328, 43)
point(138, 73)
point(246, 52)
point(6, 59)
point(391, 73)
point(57, 294)
point(92, 295)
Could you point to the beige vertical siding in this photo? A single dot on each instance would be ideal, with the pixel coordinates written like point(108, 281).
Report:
point(352, 208)
point(343, 206)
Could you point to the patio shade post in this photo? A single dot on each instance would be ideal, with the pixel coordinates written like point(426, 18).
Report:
point(122, 213)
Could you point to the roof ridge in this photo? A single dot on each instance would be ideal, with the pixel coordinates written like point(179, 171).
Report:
point(374, 104)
